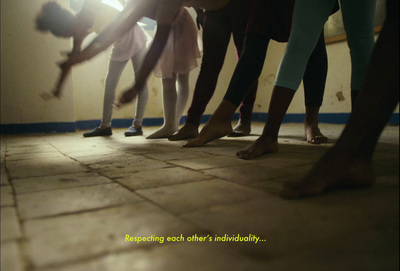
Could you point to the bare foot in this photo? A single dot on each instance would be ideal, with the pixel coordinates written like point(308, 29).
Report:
point(333, 171)
point(187, 131)
point(314, 135)
point(163, 132)
point(243, 128)
point(211, 131)
point(259, 147)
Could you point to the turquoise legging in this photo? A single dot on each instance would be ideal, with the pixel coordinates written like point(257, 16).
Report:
point(309, 17)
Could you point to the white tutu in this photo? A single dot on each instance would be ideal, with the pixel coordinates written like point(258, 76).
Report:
point(181, 51)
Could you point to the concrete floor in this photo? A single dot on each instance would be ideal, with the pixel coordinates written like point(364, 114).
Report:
point(68, 203)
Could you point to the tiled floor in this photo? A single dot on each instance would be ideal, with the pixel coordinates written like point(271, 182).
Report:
point(68, 203)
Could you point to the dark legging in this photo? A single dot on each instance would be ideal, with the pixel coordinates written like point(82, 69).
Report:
point(217, 29)
point(251, 64)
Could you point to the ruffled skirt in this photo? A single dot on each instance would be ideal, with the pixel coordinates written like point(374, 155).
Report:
point(181, 51)
point(125, 48)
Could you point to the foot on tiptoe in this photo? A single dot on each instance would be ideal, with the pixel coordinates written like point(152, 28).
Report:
point(259, 147)
point(187, 131)
point(243, 128)
point(134, 131)
point(211, 131)
point(314, 135)
point(163, 132)
point(332, 172)
point(98, 131)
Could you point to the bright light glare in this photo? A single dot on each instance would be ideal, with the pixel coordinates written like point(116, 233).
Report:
point(114, 4)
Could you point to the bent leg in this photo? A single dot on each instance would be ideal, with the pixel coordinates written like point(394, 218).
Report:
point(183, 95)
point(358, 20)
point(349, 162)
point(268, 141)
point(219, 125)
point(216, 36)
point(113, 75)
point(309, 17)
point(246, 73)
point(170, 98)
point(143, 95)
point(314, 80)
point(244, 82)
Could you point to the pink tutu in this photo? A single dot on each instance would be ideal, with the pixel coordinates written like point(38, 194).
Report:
point(181, 51)
point(129, 44)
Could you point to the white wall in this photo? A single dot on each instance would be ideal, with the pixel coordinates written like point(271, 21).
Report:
point(28, 68)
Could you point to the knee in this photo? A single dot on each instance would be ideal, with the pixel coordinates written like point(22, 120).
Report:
point(300, 45)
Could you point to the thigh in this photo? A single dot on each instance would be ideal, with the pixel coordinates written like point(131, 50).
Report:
point(358, 17)
point(115, 69)
point(216, 35)
point(309, 17)
point(137, 59)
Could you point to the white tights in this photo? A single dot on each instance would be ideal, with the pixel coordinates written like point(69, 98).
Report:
point(114, 73)
point(175, 96)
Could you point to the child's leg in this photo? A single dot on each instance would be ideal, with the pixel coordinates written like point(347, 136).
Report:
point(304, 36)
point(143, 96)
point(240, 21)
point(309, 17)
point(216, 36)
point(244, 82)
point(114, 73)
point(170, 99)
point(246, 73)
point(349, 162)
point(314, 80)
point(358, 20)
point(183, 95)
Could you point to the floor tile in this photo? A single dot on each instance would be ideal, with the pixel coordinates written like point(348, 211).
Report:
point(11, 259)
point(78, 199)
point(36, 184)
point(181, 256)
point(161, 177)
point(209, 162)
point(7, 197)
point(126, 166)
point(4, 176)
point(87, 235)
point(41, 167)
point(254, 172)
point(184, 198)
point(10, 226)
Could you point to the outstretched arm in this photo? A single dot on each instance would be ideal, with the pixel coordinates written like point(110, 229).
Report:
point(152, 56)
point(125, 21)
point(56, 92)
point(113, 32)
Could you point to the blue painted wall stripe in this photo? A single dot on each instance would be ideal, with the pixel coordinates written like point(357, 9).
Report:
point(65, 127)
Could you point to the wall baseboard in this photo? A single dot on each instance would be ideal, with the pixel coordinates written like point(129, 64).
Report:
point(69, 127)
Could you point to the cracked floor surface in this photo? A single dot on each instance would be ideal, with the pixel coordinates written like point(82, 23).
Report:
point(70, 203)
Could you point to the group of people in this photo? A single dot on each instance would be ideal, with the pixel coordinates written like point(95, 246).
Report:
point(173, 53)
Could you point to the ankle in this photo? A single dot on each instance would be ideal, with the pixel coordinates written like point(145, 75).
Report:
point(244, 121)
point(268, 138)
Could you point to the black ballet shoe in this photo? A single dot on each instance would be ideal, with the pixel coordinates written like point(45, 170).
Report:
point(133, 131)
point(98, 132)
